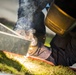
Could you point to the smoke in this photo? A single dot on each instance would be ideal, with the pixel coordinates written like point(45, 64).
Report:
point(29, 36)
point(27, 11)
point(26, 21)
point(24, 24)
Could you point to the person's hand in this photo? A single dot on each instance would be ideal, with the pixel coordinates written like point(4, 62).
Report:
point(40, 51)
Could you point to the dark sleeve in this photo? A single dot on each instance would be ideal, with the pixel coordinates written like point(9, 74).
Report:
point(64, 49)
point(31, 6)
point(42, 3)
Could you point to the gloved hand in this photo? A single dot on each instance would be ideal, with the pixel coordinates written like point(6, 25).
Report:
point(37, 48)
point(40, 51)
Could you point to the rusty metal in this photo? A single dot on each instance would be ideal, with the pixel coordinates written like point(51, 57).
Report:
point(12, 42)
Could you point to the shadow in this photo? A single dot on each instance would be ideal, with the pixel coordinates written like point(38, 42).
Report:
point(7, 22)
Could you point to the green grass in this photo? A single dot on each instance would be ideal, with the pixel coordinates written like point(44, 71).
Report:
point(32, 67)
point(48, 40)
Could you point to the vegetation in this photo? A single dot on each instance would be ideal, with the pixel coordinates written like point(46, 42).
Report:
point(30, 67)
point(48, 40)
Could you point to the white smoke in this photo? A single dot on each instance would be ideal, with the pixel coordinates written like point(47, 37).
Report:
point(29, 36)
